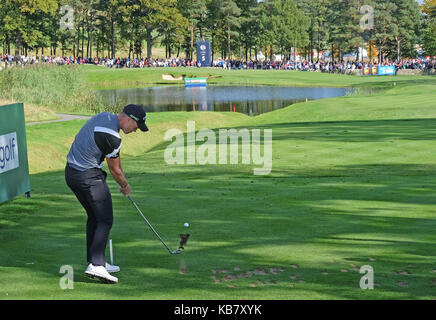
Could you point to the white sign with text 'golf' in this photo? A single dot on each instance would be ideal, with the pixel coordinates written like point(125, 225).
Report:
point(8, 152)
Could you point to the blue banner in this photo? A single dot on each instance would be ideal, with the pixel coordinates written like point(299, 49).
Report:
point(195, 82)
point(204, 54)
point(379, 71)
point(386, 71)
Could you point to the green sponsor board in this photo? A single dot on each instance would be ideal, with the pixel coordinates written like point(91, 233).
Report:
point(14, 167)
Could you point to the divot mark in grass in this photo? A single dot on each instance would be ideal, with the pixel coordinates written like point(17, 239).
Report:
point(275, 270)
point(260, 272)
point(248, 274)
point(402, 284)
point(344, 270)
point(230, 277)
point(215, 271)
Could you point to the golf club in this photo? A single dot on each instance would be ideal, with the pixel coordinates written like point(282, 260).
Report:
point(111, 252)
point(151, 227)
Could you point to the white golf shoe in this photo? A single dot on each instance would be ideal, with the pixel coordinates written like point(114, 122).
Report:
point(112, 268)
point(100, 273)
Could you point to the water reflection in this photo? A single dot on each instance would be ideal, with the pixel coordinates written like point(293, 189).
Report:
point(249, 100)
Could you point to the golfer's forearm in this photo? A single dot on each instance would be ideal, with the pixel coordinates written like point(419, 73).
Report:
point(117, 171)
point(119, 177)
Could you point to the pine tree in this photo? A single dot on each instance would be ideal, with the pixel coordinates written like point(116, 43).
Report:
point(196, 13)
point(290, 26)
point(230, 13)
point(430, 39)
point(429, 33)
point(249, 26)
point(316, 11)
point(384, 26)
point(406, 18)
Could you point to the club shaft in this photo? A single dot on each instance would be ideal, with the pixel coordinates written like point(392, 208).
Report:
point(111, 252)
point(149, 224)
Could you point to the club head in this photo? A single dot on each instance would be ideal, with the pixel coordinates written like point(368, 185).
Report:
point(178, 251)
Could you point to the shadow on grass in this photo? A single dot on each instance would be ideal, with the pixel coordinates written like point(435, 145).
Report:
point(238, 220)
point(338, 131)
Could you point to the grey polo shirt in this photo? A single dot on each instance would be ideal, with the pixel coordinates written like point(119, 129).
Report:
point(98, 138)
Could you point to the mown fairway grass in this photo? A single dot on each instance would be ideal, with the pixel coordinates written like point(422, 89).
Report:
point(352, 184)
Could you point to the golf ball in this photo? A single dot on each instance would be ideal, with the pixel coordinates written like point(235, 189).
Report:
point(186, 224)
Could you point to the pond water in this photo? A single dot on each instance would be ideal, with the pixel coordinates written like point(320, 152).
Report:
point(249, 100)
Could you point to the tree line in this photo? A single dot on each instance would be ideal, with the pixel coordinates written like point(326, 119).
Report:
point(237, 29)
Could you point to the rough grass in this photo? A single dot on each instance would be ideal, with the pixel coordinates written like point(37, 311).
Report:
point(33, 113)
point(57, 88)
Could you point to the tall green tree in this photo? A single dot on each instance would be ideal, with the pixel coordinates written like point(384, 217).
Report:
point(344, 25)
point(429, 39)
point(230, 13)
point(249, 26)
point(290, 26)
point(316, 11)
point(212, 23)
point(406, 18)
point(108, 13)
point(429, 28)
point(148, 19)
point(19, 20)
point(173, 29)
point(384, 26)
point(265, 36)
point(196, 12)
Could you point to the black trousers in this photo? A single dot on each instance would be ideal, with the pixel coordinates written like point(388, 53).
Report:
point(93, 193)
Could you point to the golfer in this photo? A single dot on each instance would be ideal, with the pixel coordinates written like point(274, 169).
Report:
point(98, 140)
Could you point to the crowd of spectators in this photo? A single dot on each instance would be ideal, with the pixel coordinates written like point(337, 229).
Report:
point(10, 60)
point(320, 66)
point(325, 66)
